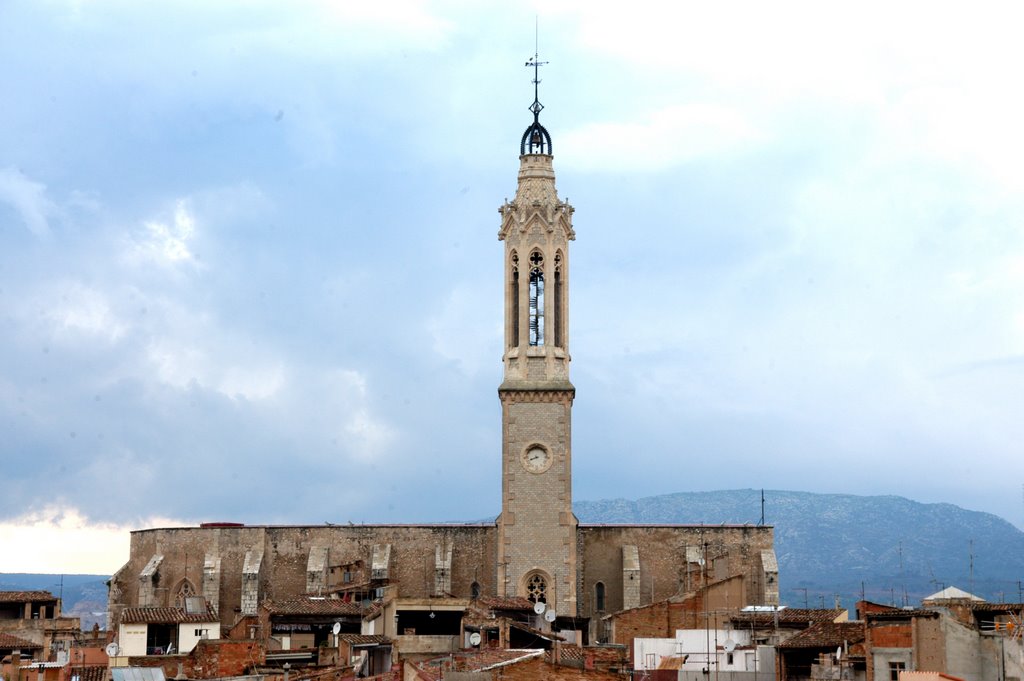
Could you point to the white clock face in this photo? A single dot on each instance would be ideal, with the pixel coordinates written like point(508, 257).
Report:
point(536, 459)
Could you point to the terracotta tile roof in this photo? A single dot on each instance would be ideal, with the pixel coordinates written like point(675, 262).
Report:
point(787, 616)
point(476, 661)
point(489, 659)
point(364, 639)
point(601, 654)
point(164, 616)
point(312, 605)
point(24, 596)
point(375, 609)
point(997, 607)
point(90, 673)
point(900, 614)
point(350, 587)
point(827, 635)
point(608, 654)
point(9, 641)
point(506, 603)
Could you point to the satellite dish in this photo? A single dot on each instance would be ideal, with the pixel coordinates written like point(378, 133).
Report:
point(550, 615)
point(336, 629)
point(729, 645)
point(539, 607)
point(474, 639)
point(112, 649)
point(839, 653)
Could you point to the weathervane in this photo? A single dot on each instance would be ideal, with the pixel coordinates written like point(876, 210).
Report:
point(536, 139)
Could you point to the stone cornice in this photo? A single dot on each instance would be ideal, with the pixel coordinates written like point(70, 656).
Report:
point(522, 391)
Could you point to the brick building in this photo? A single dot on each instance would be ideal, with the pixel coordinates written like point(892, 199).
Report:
point(413, 583)
point(35, 617)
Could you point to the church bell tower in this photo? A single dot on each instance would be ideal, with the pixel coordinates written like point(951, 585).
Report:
point(537, 528)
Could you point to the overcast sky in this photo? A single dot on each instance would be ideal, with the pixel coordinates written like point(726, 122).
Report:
point(249, 266)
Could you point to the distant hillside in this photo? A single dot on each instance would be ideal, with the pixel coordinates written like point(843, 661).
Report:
point(84, 596)
point(830, 544)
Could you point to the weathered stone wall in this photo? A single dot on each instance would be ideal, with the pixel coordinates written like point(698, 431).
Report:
point(665, 569)
point(283, 573)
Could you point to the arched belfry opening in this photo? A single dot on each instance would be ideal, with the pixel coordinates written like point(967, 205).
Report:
point(558, 302)
point(536, 298)
point(513, 297)
point(536, 139)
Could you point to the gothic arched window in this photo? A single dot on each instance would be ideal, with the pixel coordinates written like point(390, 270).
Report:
point(514, 299)
point(559, 298)
point(185, 591)
point(474, 590)
point(537, 588)
point(536, 298)
point(599, 596)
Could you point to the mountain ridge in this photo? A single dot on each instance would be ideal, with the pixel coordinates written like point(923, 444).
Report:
point(886, 547)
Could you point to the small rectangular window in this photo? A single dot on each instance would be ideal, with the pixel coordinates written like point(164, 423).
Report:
point(894, 670)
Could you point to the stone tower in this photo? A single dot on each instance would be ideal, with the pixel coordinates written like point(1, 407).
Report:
point(537, 528)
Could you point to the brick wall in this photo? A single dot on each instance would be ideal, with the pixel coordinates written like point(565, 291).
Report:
point(542, 669)
point(891, 635)
point(214, 659)
point(208, 660)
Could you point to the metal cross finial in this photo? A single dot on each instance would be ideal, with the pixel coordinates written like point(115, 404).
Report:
point(536, 139)
point(536, 63)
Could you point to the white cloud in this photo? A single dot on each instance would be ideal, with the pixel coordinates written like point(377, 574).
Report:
point(28, 198)
point(61, 538)
point(458, 337)
point(177, 363)
point(253, 382)
point(194, 349)
point(83, 310)
point(344, 394)
point(658, 140)
point(166, 241)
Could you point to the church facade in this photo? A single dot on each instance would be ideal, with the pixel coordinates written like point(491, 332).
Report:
point(417, 585)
